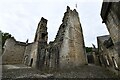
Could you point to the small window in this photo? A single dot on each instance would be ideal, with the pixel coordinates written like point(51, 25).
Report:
point(43, 35)
point(63, 26)
point(31, 62)
point(115, 63)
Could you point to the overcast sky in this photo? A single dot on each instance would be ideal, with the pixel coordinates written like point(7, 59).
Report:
point(21, 17)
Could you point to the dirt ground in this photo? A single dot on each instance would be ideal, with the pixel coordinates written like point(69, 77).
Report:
point(87, 71)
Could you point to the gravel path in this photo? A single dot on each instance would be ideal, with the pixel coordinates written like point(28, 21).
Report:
point(86, 71)
point(22, 71)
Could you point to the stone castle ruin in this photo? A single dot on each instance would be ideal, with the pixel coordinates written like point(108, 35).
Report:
point(66, 51)
point(108, 54)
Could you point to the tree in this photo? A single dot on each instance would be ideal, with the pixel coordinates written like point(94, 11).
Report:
point(4, 36)
point(88, 49)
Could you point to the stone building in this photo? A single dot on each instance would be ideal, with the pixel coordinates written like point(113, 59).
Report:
point(0, 43)
point(109, 45)
point(66, 51)
point(110, 14)
point(107, 54)
point(92, 55)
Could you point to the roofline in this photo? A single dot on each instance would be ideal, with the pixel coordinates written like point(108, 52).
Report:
point(104, 10)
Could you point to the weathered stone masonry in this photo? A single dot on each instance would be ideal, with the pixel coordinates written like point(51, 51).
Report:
point(72, 51)
point(66, 51)
point(109, 45)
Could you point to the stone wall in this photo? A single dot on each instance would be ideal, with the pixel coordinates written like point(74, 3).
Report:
point(70, 37)
point(13, 52)
point(27, 54)
point(33, 55)
point(108, 55)
point(39, 47)
point(113, 21)
point(111, 18)
point(0, 43)
point(52, 56)
point(96, 58)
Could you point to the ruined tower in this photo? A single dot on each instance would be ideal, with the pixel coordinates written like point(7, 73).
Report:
point(41, 33)
point(41, 38)
point(70, 42)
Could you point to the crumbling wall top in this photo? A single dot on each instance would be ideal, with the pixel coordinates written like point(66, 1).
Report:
point(44, 20)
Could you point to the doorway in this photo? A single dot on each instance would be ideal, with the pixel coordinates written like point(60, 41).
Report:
point(31, 62)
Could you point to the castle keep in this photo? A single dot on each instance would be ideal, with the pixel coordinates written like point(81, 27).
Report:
point(66, 51)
